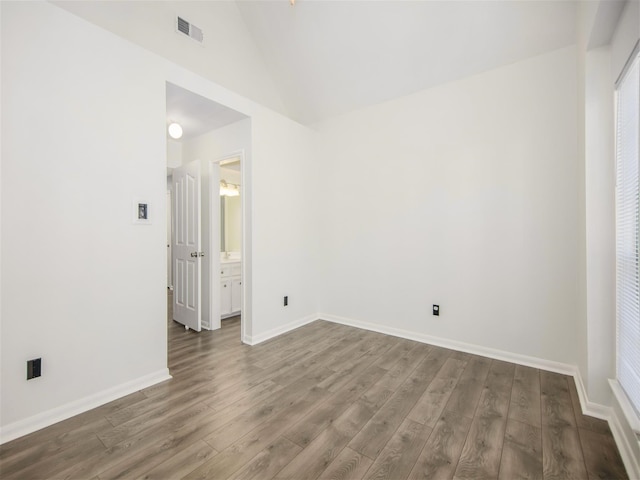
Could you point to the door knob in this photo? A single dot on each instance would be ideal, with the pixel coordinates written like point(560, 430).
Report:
point(194, 254)
point(201, 254)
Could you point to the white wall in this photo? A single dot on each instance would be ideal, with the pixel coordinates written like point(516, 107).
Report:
point(285, 205)
point(174, 153)
point(228, 55)
point(280, 174)
point(600, 228)
point(479, 217)
point(83, 287)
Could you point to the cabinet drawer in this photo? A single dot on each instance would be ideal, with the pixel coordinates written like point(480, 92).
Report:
point(230, 269)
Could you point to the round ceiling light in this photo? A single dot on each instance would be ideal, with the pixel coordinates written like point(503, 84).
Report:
point(175, 130)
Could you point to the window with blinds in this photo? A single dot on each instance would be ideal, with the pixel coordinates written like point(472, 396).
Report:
point(627, 223)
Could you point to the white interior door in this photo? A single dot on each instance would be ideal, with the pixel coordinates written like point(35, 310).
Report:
point(186, 245)
point(169, 241)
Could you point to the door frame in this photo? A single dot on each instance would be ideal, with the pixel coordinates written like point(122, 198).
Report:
point(214, 240)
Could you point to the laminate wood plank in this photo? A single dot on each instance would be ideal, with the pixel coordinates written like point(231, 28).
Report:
point(16, 460)
point(480, 456)
point(453, 367)
point(391, 357)
point(349, 371)
point(166, 410)
point(348, 465)
point(182, 463)
point(429, 407)
point(369, 342)
point(496, 393)
point(269, 461)
point(188, 358)
point(373, 437)
point(147, 446)
point(557, 409)
point(562, 457)
point(521, 452)
point(404, 365)
point(525, 396)
point(481, 453)
point(51, 466)
point(439, 457)
point(601, 455)
point(242, 394)
point(175, 386)
point(218, 418)
point(319, 358)
point(270, 407)
point(66, 431)
point(226, 340)
point(179, 432)
point(401, 452)
point(464, 397)
point(243, 450)
point(311, 343)
point(324, 449)
point(329, 411)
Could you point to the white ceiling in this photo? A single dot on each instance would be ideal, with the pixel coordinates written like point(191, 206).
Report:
point(329, 57)
point(322, 58)
point(196, 114)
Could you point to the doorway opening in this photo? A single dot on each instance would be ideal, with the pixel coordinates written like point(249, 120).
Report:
point(226, 176)
point(208, 231)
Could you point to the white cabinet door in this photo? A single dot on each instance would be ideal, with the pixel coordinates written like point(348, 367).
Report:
point(236, 294)
point(225, 296)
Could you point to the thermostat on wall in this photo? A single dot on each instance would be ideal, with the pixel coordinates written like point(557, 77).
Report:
point(141, 212)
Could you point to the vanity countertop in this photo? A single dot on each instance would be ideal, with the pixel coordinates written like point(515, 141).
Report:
point(229, 260)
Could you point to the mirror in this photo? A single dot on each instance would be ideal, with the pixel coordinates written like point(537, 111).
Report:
point(230, 207)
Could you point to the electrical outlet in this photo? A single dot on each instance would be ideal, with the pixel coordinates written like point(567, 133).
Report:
point(286, 300)
point(34, 368)
point(436, 310)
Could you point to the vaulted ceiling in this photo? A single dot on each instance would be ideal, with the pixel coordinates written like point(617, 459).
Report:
point(322, 58)
point(329, 57)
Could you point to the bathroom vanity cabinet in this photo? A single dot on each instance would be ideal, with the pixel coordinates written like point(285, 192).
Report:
point(230, 289)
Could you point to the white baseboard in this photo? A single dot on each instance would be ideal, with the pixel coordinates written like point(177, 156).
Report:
point(28, 425)
point(525, 360)
point(624, 427)
point(262, 337)
point(626, 451)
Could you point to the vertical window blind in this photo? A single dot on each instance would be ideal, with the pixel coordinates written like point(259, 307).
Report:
point(627, 223)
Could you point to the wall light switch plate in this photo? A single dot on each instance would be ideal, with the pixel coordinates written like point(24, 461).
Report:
point(141, 212)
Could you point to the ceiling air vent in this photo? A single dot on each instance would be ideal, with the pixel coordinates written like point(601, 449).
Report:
point(189, 29)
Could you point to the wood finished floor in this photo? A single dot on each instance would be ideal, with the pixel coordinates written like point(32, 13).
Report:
point(331, 402)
